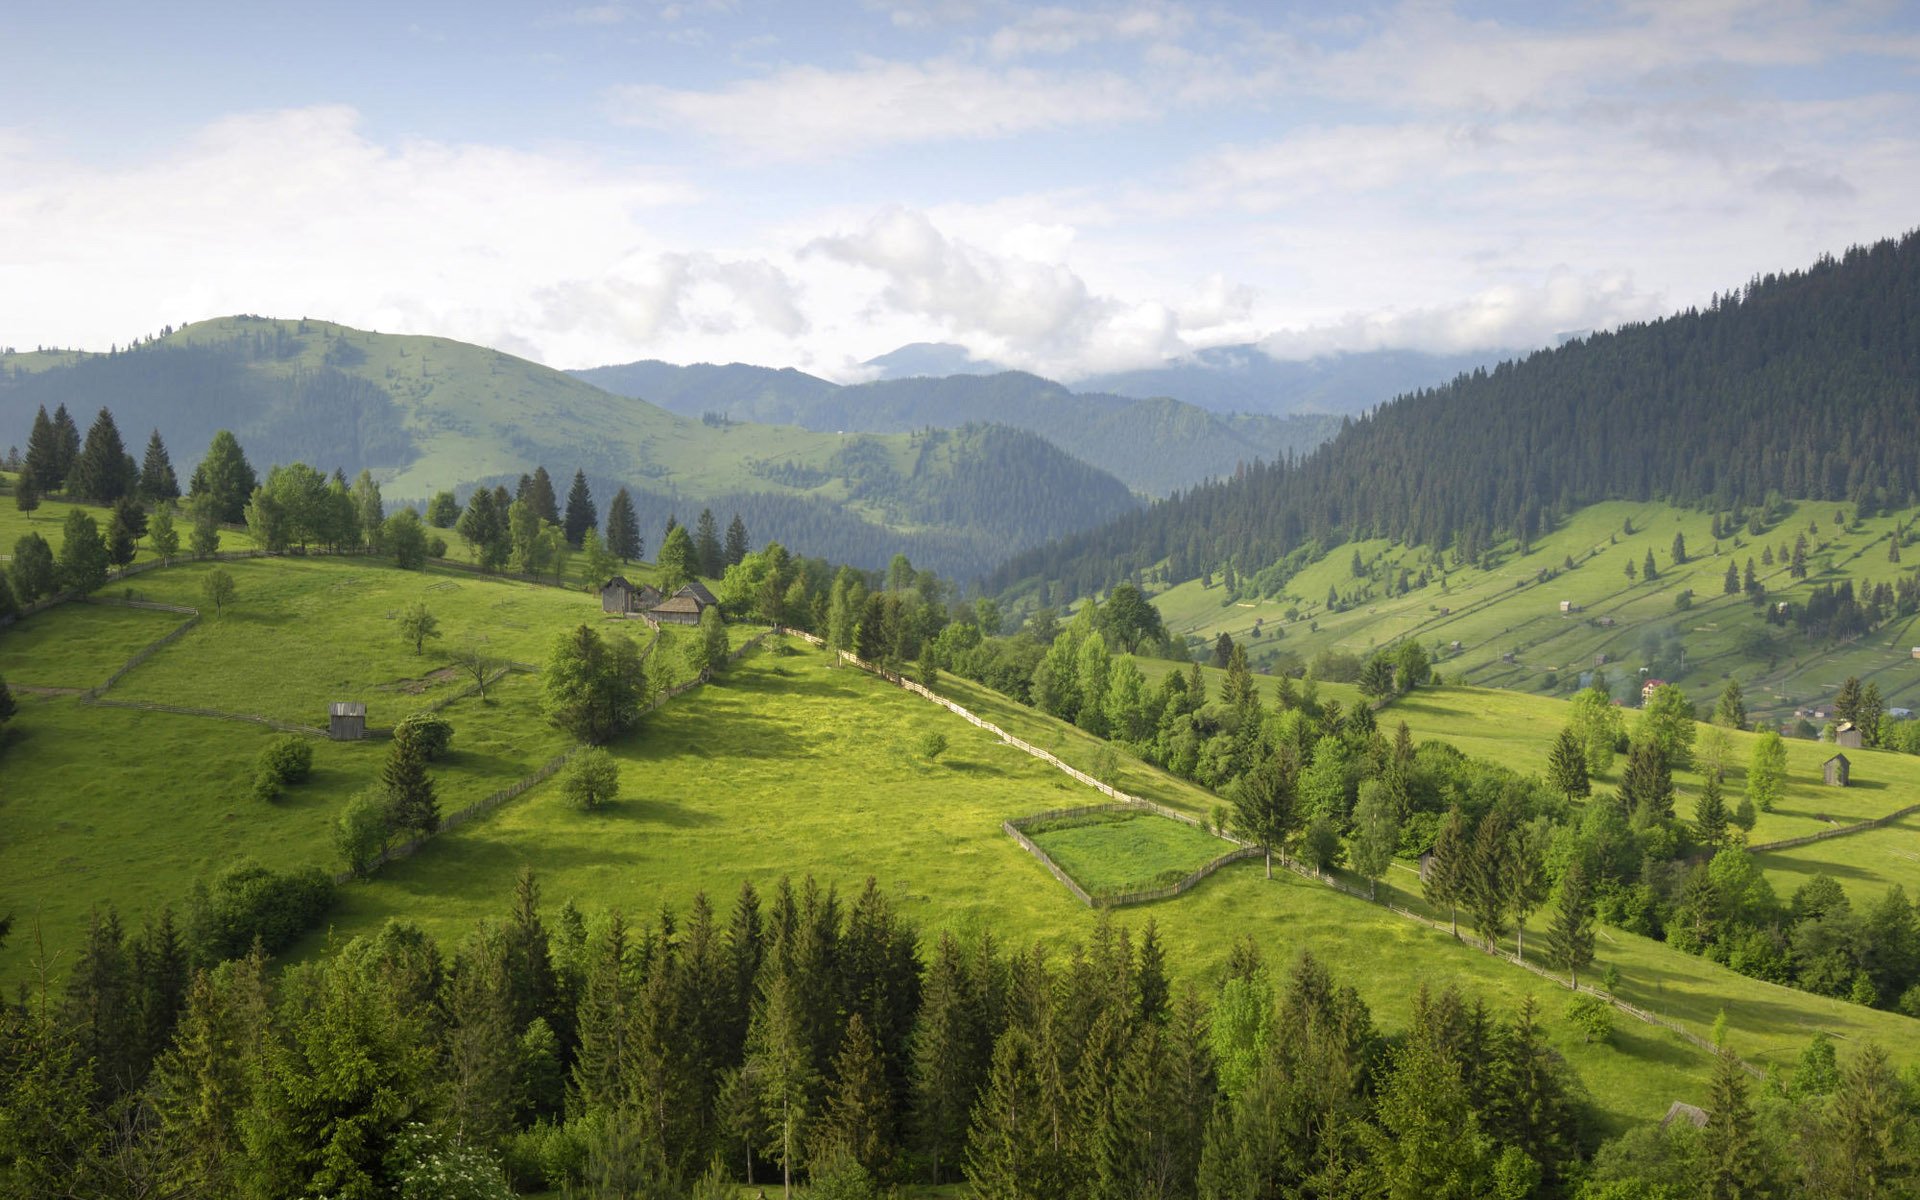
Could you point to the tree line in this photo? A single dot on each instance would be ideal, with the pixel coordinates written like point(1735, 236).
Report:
point(807, 1040)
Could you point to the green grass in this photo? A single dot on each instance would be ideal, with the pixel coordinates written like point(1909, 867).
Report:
point(1505, 610)
point(51, 516)
point(1120, 852)
point(1865, 864)
point(79, 645)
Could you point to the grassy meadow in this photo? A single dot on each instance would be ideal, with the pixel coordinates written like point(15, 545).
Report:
point(1511, 610)
point(1117, 852)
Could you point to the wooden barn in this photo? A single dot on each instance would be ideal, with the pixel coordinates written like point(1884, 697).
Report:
point(347, 720)
point(684, 606)
point(1846, 735)
point(619, 596)
point(1835, 770)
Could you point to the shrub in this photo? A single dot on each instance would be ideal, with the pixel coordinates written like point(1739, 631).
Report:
point(362, 832)
point(287, 759)
point(592, 780)
point(431, 732)
point(933, 745)
point(436, 547)
point(1592, 1016)
point(250, 901)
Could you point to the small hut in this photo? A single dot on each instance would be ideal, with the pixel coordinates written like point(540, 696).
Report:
point(1681, 1111)
point(684, 606)
point(346, 720)
point(1846, 735)
point(616, 595)
point(1835, 770)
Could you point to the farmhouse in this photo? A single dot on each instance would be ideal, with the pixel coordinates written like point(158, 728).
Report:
point(621, 597)
point(1835, 770)
point(347, 720)
point(1648, 688)
point(684, 606)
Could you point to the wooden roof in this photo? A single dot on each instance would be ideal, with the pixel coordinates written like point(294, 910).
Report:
point(617, 581)
point(679, 603)
point(697, 590)
point(347, 708)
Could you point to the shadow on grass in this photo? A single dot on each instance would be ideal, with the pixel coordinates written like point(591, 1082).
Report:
point(656, 812)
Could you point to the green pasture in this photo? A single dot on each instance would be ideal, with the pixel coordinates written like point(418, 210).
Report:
point(1509, 610)
point(791, 766)
point(1865, 864)
point(1117, 852)
point(103, 804)
point(79, 645)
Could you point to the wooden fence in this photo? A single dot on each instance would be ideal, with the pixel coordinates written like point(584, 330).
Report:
point(1843, 831)
point(1248, 850)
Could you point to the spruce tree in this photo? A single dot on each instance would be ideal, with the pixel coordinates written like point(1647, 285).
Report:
point(737, 547)
point(121, 539)
point(678, 560)
point(581, 514)
point(780, 1059)
point(226, 476)
point(35, 575)
point(1731, 585)
point(1266, 803)
point(1567, 766)
point(1442, 881)
point(1484, 875)
point(42, 466)
point(1731, 1148)
point(66, 448)
point(1570, 932)
point(623, 528)
point(485, 528)
point(411, 803)
point(540, 494)
point(26, 493)
point(83, 553)
point(157, 480)
point(1647, 569)
point(858, 1119)
point(1647, 784)
point(1710, 815)
point(706, 545)
point(104, 471)
point(1731, 710)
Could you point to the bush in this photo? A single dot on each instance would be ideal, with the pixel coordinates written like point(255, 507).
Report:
point(436, 547)
point(362, 832)
point(933, 745)
point(1321, 845)
point(249, 902)
point(431, 732)
point(548, 1157)
point(592, 780)
point(287, 759)
point(1592, 1016)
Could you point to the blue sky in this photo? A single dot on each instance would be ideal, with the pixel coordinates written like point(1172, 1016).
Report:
point(1067, 188)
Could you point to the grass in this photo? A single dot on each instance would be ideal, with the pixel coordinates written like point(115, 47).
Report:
point(1865, 864)
point(1118, 852)
point(1509, 610)
point(79, 645)
point(791, 766)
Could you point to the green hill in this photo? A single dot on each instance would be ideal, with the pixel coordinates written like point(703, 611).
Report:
point(1157, 445)
point(426, 414)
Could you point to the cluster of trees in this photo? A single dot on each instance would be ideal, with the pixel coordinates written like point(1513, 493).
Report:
point(806, 1038)
point(1801, 382)
point(404, 804)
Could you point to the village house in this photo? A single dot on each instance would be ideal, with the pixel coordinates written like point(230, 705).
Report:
point(684, 606)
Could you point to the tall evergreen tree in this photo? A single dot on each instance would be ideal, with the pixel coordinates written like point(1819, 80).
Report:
point(780, 1060)
point(1733, 1163)
point(42, 466)
point(1731, 709)
point(1266, 803)
point(66, 446)
point(540, 494)
point(83, 553)
point(737, 547)
point(411, 803)
point(1710, 815)
point(1570, 932)
point(706, 545)
point(1443, 877)
point(486, 530)
point(623, 528)
point(1567, 766)
point(226, 476)
point(1484, 876)
point(678, 559)
point(35, 575)
point(581, 514)
point(1647, 784)
point(104, 471)
point(157, 480)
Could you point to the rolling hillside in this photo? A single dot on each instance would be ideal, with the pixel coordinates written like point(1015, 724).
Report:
point(425, 414)
point(1156, 445)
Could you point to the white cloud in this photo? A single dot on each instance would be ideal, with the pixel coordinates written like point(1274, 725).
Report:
point(1055, 30)
point(809, 112)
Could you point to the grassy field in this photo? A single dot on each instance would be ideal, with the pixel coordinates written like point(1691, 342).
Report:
point(1117, 852)
point(792, 766)
point(1510, 610)
point(1865, 864)
point(81, 645)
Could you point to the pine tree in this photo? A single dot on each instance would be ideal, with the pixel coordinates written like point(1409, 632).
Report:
point(1710, 815)
point(410, 794)
point(1012, 1153)
point(104, 471)
point(1647, 784)
point(83, 553)
point(678, 560)
point(157, 481)
point(1731, 710)
point(482, 1057)
point(737, 548)
point(1570, 932)
point(1731, 585)
point(706, 545)
point(121, 538)
point(1767, 771)
point(540, 495)
point(603, 1018)
point(1484, 875)
point(858, 1119)
point(1846, 703)
point(1442, 879)
point(66, 447)
point(1647, 569)
point(26, 493)
point(581, 514)
point(1567, 766)
point(1731, 1145)
point(780, 1060)
point(485, 528)
point(623, 528)
point(1266, 803)
point(1865, 1140)
point(1679, 549)
point(42, 466)
point(34, 573)
point(226, 476)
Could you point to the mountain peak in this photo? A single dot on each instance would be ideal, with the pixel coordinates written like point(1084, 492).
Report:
point(930, 359)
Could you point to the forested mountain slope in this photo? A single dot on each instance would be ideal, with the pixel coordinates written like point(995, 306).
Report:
point(1802, 384)
point(426, 414)
point(1154, 445)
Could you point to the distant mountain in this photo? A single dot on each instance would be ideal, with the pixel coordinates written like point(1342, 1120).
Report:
point(1247, 379)
point(930, 360)
point(1155, 445)
point(1800, 385)
point(426, 414)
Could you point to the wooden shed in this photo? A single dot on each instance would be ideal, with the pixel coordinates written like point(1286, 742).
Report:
point(621, 597)
point(1846, 735)
point(1835, 770)
point(684, 606)
point(346, 720)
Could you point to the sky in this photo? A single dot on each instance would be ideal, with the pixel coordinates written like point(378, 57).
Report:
point(1068, 189)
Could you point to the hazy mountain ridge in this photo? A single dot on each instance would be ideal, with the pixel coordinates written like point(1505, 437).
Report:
point(1155, 445)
